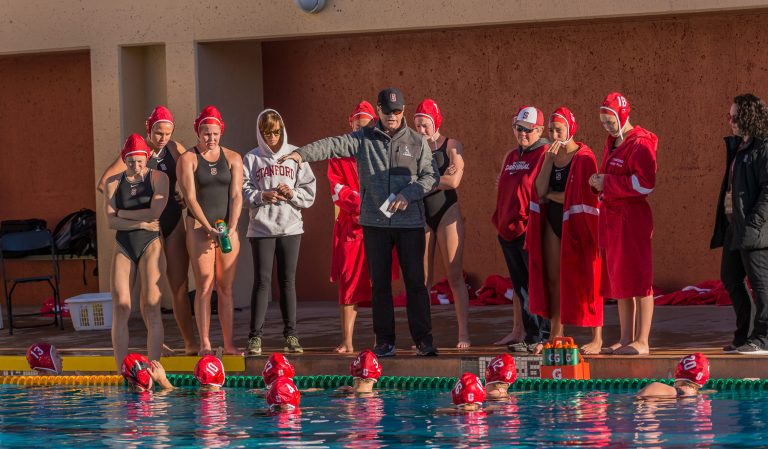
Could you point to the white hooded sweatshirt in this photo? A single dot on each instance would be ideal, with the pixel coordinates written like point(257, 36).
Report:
point(263, 173)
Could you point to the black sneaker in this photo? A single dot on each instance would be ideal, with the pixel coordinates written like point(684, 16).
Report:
point(426, 350)
point(751, 348)
point(384, 350)
point(522, 347)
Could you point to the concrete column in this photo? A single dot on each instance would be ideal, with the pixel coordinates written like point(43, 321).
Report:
point(181, 88)
point(106, 140)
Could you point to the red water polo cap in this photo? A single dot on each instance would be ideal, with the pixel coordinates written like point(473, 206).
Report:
point(363, 109)
point(283, 392)
point(565, 116)
point(159, 114)
point(209, 116)
point(210, 371)
point(501, 369)
point(530, 115)
point(43, 357)
point(366, 366)
point(428, 108)
point(468, 390)
point(135, 145)
point(616, 104)
point(693, 368)
point(135, 370)
point(277, 366)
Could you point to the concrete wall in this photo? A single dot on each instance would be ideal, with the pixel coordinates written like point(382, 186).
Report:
point(678, 74)
point(47, 153)
point(658, 63)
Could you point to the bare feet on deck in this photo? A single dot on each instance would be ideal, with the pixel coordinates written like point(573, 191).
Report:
point(167, 351)
point(634, 348)
point(592, 348)
point(191, 350)
point(516, 336)
point(344, 349)
point(204, 351)
point(463, 344)
point(232, 350)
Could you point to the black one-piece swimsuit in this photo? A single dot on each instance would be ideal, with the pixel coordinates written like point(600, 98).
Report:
point(135, 196)
point(171, 215)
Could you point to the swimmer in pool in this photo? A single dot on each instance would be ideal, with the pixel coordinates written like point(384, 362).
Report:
point(366, 371)
point(467, 394)
point(691, 373)
point(44, 359)
point(499, 375)
point(142, 375)
point(209, 372)
point(283, 396)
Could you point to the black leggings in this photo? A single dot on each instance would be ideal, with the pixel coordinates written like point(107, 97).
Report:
point(265, 250)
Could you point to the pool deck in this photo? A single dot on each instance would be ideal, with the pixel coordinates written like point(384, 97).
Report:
point(677, 330)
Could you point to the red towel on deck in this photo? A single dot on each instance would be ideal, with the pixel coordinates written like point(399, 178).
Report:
point(496, 290)
point(707, 292)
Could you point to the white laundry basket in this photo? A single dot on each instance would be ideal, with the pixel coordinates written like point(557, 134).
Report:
point(91, 311)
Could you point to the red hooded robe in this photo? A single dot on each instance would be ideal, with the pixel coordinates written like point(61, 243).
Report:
point(580, 301)
point(626, 222)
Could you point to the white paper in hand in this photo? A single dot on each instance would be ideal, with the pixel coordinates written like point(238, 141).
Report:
point(385, 207)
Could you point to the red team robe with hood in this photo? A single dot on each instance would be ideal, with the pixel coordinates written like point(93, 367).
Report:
point(580, 301)
point(348, 265)
point(626, 222)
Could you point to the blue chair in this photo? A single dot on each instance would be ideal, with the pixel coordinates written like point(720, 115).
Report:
point(30, 241)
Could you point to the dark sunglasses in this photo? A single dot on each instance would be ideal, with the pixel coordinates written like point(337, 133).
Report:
point(275, 133)
point(523, 129)
point(392, 112)
point(731, 118)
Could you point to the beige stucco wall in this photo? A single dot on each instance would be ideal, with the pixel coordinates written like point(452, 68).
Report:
point(124, 86)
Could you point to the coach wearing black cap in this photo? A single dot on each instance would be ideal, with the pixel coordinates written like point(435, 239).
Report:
point(396, 171)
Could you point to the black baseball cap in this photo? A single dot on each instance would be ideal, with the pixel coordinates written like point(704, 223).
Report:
point(391, 99)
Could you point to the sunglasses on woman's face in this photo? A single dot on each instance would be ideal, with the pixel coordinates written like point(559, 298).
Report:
point(273, 133)
point(523, 129)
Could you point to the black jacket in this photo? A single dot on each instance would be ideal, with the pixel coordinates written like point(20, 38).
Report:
point(750, 197)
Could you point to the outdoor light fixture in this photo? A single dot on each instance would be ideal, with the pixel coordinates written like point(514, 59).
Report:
point(310, 6)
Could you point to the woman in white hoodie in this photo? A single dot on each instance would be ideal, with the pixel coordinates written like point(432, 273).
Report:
point(275, 194)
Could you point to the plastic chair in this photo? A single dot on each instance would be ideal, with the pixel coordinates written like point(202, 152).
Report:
point(30, 241)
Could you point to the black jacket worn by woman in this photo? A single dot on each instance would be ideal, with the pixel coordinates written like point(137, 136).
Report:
point(750, 196)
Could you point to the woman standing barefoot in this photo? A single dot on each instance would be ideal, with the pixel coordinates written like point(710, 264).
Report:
point(445, 225)
point(211, 180)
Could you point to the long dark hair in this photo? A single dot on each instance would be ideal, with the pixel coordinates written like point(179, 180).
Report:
point(751, 116)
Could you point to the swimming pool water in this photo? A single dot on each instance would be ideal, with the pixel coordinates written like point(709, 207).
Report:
point(92, 417)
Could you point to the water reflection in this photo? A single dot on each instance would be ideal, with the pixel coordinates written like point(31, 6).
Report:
point(366, 414)
point(89, 417)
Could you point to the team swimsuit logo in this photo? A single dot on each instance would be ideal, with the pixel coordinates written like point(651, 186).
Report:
point(163, 167)
point(133, 191)
point(214, 171)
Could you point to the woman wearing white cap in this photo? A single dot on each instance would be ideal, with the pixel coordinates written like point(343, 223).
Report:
point(511, 216)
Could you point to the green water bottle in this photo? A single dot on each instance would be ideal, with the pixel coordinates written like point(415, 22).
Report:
point(549, 355)
point(571, 354)
point(224, 243)
point(559, 355)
